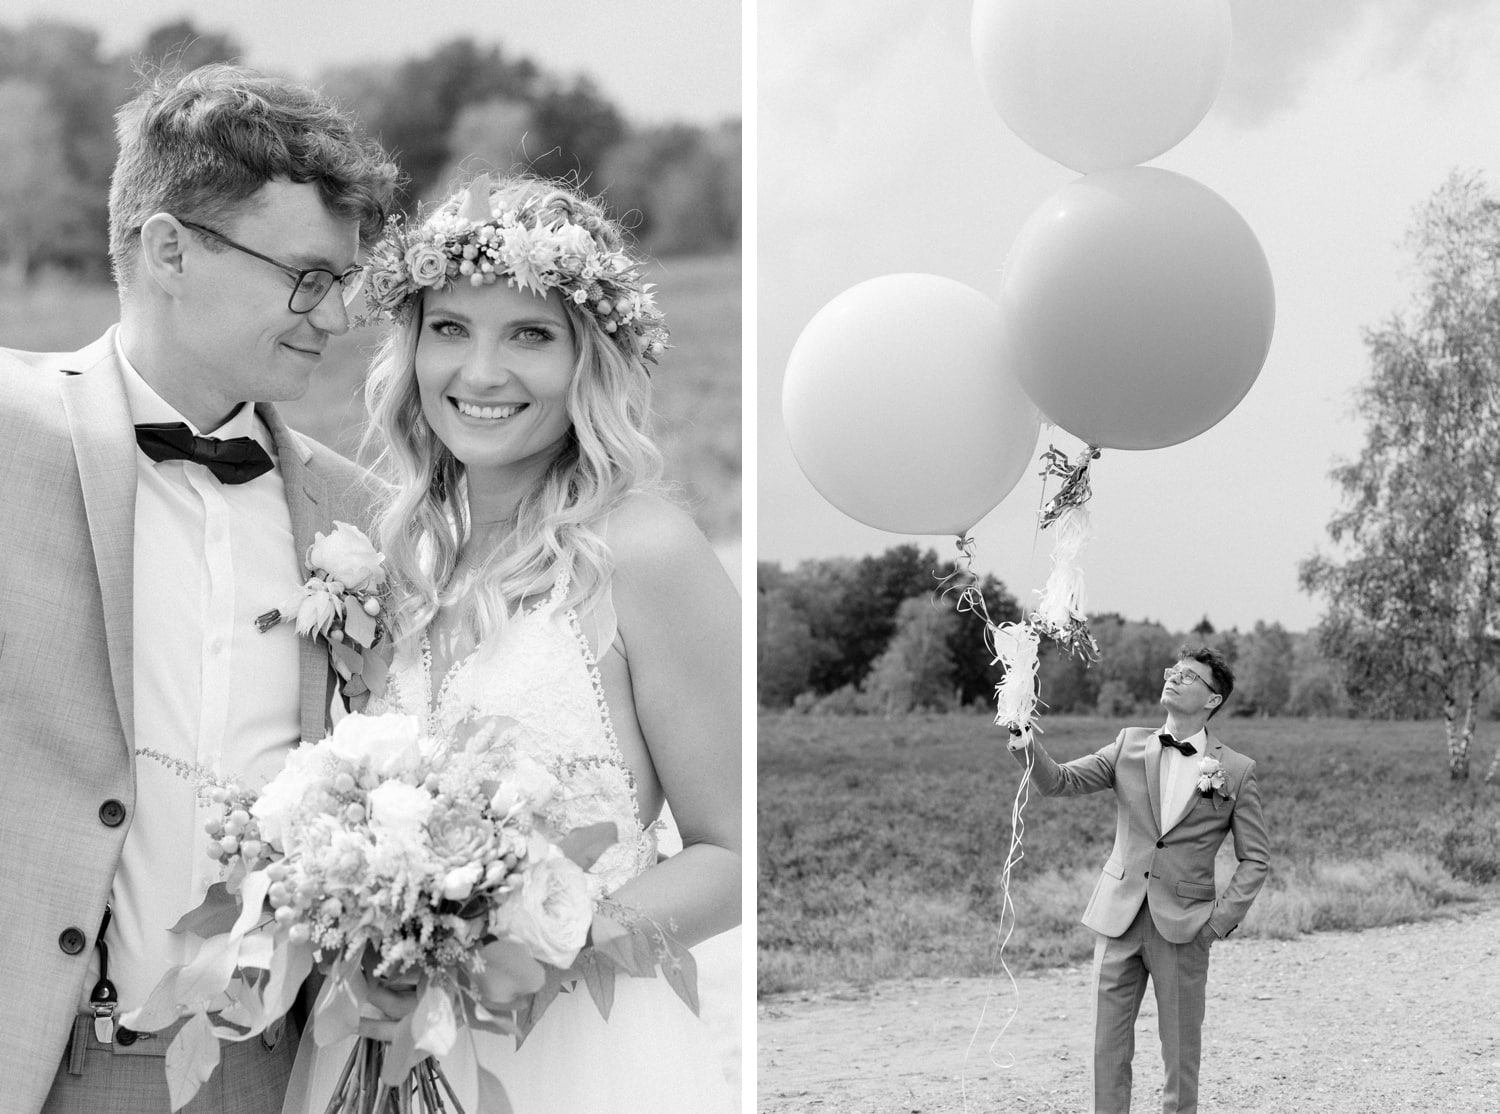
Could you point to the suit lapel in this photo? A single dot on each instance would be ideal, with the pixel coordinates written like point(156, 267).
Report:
point(307, 503)
point(104, 445)
point(1153, 776)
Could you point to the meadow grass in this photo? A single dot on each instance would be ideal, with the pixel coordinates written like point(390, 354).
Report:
point(882, 842)
point(697, 394)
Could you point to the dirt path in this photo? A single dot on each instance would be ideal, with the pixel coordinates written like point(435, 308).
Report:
point(1399, 1020)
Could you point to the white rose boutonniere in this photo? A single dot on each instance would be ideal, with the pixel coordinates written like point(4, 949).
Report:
point(340, 603)
point(1212, 781)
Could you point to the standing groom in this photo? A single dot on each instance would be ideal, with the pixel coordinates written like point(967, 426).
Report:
point(152, 503)
point(1156, 911)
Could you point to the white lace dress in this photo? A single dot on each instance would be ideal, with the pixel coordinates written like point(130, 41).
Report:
point(652, 1056)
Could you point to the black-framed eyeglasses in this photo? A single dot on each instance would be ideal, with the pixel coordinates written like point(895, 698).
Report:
point(312, 285)
point(1186, 677)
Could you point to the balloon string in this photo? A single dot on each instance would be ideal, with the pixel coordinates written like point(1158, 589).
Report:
point(1003, 932)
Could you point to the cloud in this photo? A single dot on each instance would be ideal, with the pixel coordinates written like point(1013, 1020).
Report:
point(1280, 46)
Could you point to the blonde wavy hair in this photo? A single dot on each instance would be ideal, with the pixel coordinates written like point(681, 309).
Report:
point(423, 525)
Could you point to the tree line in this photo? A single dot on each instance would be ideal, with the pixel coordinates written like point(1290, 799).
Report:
point(876, 635)
point(459, 109)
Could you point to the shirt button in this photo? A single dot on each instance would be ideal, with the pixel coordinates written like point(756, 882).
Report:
point(216, 646)
point(111, 813)
point(72, 940)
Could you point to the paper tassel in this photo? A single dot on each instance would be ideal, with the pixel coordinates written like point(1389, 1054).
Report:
point(1015, 646)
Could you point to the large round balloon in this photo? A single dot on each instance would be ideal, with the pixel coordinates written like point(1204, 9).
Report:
point(1097, 84)
point(1138, 308)
point(899, 408)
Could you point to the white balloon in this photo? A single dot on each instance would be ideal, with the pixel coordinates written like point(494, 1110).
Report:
point(1097, 84)
point(899, 407)
point(1138, 308)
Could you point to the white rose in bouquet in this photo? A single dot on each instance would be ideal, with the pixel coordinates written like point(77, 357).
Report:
point(550, 914)
point(387, 744)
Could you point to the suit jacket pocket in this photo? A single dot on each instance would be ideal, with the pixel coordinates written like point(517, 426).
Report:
point(1114, 869)
point(1195, 892)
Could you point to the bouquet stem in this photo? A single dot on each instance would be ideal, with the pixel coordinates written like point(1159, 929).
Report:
point(360, 1091)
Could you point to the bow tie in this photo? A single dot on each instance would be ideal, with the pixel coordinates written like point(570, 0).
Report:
point(1168, 741)
point(232, 460)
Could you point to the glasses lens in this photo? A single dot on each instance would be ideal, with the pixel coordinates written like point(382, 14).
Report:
point(310, 290)
point(352, 282)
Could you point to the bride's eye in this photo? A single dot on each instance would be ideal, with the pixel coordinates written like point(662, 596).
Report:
point(535, 334)
point(442, 327)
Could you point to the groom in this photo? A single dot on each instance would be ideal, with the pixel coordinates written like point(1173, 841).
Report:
point(133, 563)
point(1156, 909)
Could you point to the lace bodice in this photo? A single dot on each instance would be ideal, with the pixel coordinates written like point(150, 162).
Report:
point(540, 672)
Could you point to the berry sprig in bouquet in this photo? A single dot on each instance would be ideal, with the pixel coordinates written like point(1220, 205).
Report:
point(382, 857)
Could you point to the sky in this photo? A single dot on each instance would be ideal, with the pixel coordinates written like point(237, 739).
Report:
point(879, 153)
point(659, 60)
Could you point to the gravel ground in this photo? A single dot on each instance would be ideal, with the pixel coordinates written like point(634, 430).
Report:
point(1397, 1020)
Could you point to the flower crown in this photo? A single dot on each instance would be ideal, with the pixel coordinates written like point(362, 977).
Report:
point(535, 245)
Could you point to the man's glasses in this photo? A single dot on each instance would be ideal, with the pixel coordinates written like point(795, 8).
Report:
point(312, 285)
point(1186, 677)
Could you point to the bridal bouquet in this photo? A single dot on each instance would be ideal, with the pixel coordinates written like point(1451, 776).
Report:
point(380, 855)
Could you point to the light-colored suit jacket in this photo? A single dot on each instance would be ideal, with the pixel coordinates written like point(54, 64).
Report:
point(1169, 867)
point(67, 513)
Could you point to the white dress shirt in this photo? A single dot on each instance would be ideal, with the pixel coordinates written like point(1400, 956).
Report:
point(1179, 777)
point(210, 689)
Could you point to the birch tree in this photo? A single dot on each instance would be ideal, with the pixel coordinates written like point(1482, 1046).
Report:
point(1412, 598)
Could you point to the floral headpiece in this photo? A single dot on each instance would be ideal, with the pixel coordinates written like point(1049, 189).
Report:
point(535, 245)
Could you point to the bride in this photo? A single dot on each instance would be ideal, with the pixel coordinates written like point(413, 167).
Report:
point(540, 578)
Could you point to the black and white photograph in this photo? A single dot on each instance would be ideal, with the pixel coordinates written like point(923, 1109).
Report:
point(371, 587)
point(1127, 391)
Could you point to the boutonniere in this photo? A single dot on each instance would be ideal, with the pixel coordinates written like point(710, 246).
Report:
point(1212, 781)
point(340, 603)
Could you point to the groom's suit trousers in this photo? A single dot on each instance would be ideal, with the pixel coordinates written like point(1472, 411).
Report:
point(1179, 977)
point(131, 1078)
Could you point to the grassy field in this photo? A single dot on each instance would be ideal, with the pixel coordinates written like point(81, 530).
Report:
point(881, 842)
point(697, 385)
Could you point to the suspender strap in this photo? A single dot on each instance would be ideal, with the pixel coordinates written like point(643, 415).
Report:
point(104, 998)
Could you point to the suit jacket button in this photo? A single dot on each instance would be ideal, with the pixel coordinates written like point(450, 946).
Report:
point(1160, 843)
point(72, 940)
point(1147, 874)
point(111, 813)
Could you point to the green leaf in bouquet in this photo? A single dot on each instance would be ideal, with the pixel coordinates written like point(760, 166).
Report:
point(336, 1012)
point(585, 845)
point(160, 1009)
point(214, 916)
point(492, 1096)
point(499, 1023)
point(630, 950)
point(680, 970)
point(510, 973)
point(191, 1059)
point(530, 1011)
point(599, 977)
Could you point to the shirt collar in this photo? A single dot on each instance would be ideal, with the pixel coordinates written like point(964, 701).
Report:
point(148, 406)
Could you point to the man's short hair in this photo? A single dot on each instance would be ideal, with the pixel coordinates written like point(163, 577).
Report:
point(1218, 665)
point(196, 145)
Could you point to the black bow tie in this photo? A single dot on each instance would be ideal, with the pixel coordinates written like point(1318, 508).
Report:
point(232, 460)
point(1168, 741)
